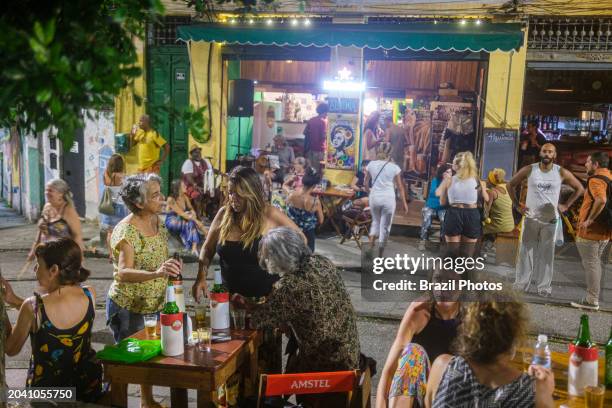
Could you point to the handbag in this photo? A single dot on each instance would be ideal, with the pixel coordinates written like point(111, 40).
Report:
point(106, 203)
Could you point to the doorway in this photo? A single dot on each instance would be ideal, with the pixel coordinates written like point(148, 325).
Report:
point(168, 90)
point(73, 163)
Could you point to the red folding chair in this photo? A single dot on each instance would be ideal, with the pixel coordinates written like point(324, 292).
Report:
point(310, 383)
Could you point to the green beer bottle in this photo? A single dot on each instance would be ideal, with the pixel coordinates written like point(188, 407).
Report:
point(608, 372)
point(170, 307)
point(584, 334)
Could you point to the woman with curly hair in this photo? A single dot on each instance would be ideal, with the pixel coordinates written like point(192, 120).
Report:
point(481, 373)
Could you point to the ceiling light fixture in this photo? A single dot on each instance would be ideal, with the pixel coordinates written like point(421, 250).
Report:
point(559, 86)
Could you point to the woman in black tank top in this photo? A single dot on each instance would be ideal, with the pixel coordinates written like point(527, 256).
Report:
point(426, 331)
point(235, 233)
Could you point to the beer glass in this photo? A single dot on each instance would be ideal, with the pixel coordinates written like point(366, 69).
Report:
point(204, 338)
point(238, 316)
point(200, 314)
point(150, 323)
point(594, 396)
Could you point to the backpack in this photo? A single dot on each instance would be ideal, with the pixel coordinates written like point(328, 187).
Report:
point(605, 216)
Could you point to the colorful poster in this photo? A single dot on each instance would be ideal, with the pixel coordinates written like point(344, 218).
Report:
point(341, 143)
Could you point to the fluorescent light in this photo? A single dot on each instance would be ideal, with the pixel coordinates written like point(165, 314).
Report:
point(346, 86)
point(369, 106)
point(294, 22)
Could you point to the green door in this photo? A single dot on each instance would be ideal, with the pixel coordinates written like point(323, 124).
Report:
point(168, 90)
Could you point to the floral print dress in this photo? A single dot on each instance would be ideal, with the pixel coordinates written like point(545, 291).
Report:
point(149, 254)
point(64, 357)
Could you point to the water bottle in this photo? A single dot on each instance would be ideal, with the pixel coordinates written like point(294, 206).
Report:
point(541, 354)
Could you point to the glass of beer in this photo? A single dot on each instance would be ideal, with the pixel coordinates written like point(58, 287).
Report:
point(527, 359)
point(204, 338)
point(150, 323)
point(200, 314)
point(594, 396)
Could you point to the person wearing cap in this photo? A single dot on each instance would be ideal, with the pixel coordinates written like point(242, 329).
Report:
point(498, 206)
point(192, 173)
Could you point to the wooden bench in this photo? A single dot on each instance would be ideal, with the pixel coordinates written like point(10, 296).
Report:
point(506, 247)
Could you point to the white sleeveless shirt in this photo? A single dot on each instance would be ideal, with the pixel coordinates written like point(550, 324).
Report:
point(543, 190)
point(463, 191)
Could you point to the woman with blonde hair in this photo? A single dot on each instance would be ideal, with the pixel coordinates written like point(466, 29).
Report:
point(113, 179)
point(499, 205)
point(481, 373)
point(59, 218)
point(235, 234)
point(462, 222)
point(385, 177)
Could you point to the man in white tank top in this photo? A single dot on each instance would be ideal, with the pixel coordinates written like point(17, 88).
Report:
point(540, 215)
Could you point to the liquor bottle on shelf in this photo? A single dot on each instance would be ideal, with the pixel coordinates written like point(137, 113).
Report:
point(583, 360)
point(172, 341)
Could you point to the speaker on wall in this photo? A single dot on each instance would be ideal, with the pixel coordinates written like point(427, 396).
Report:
point(241, 95)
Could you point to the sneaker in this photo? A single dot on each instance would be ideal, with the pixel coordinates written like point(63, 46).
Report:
point(544, 294)
point(583, 304)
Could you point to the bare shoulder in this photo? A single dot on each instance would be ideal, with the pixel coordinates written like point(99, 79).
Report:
point(523, 173)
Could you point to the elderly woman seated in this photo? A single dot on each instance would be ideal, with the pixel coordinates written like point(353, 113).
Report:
point(310, 303)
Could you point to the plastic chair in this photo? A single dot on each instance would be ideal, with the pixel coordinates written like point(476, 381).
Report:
point(350, 382)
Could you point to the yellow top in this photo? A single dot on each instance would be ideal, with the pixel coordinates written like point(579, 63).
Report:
point(149, 254)
point(149, 144)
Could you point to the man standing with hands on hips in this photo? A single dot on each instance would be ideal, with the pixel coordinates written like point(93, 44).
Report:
point(149, 144)
point(540, 217)
point(594, 231)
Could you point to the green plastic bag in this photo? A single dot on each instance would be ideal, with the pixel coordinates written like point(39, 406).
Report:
point(130, 350)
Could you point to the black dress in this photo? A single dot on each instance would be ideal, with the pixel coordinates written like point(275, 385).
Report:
point(437, 336)
point(241, 271)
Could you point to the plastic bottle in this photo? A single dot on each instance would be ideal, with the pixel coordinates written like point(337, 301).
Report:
point(541, 353)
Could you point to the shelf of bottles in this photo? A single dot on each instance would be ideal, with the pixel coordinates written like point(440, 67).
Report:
point(554, 127)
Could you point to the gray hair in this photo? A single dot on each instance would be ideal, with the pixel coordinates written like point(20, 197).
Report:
point(135, 191)
point(282, 250)
point(63, 188)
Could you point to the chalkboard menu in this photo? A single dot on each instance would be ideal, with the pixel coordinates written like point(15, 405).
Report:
point(499, 151)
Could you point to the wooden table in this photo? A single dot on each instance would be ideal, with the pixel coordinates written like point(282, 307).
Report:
point(560, 366)
point(332, 199)
point(203, 371)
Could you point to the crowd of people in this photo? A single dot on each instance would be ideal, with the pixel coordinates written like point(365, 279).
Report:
point(445, 350)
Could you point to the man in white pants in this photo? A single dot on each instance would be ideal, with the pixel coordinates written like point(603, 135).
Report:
point(540, 216)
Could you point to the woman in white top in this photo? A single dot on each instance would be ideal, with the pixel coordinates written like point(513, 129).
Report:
point(462, 222)
point(385, 176)
point(373, 136)
point(113, 179)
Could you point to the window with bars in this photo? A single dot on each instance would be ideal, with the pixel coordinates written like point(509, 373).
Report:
point(163, 32)
point(565, 34)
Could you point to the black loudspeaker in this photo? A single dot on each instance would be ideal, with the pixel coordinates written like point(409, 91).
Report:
point(241, 94)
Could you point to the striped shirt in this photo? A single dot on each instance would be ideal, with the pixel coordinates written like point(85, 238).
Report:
point(459, 388)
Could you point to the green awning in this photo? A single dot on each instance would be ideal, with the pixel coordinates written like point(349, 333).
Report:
point(445, 36)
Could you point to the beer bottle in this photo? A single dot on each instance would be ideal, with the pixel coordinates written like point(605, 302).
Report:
point(218, 286)
point(177, 281)
point(608, 375)
point(584, 334)
point(170, 307)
